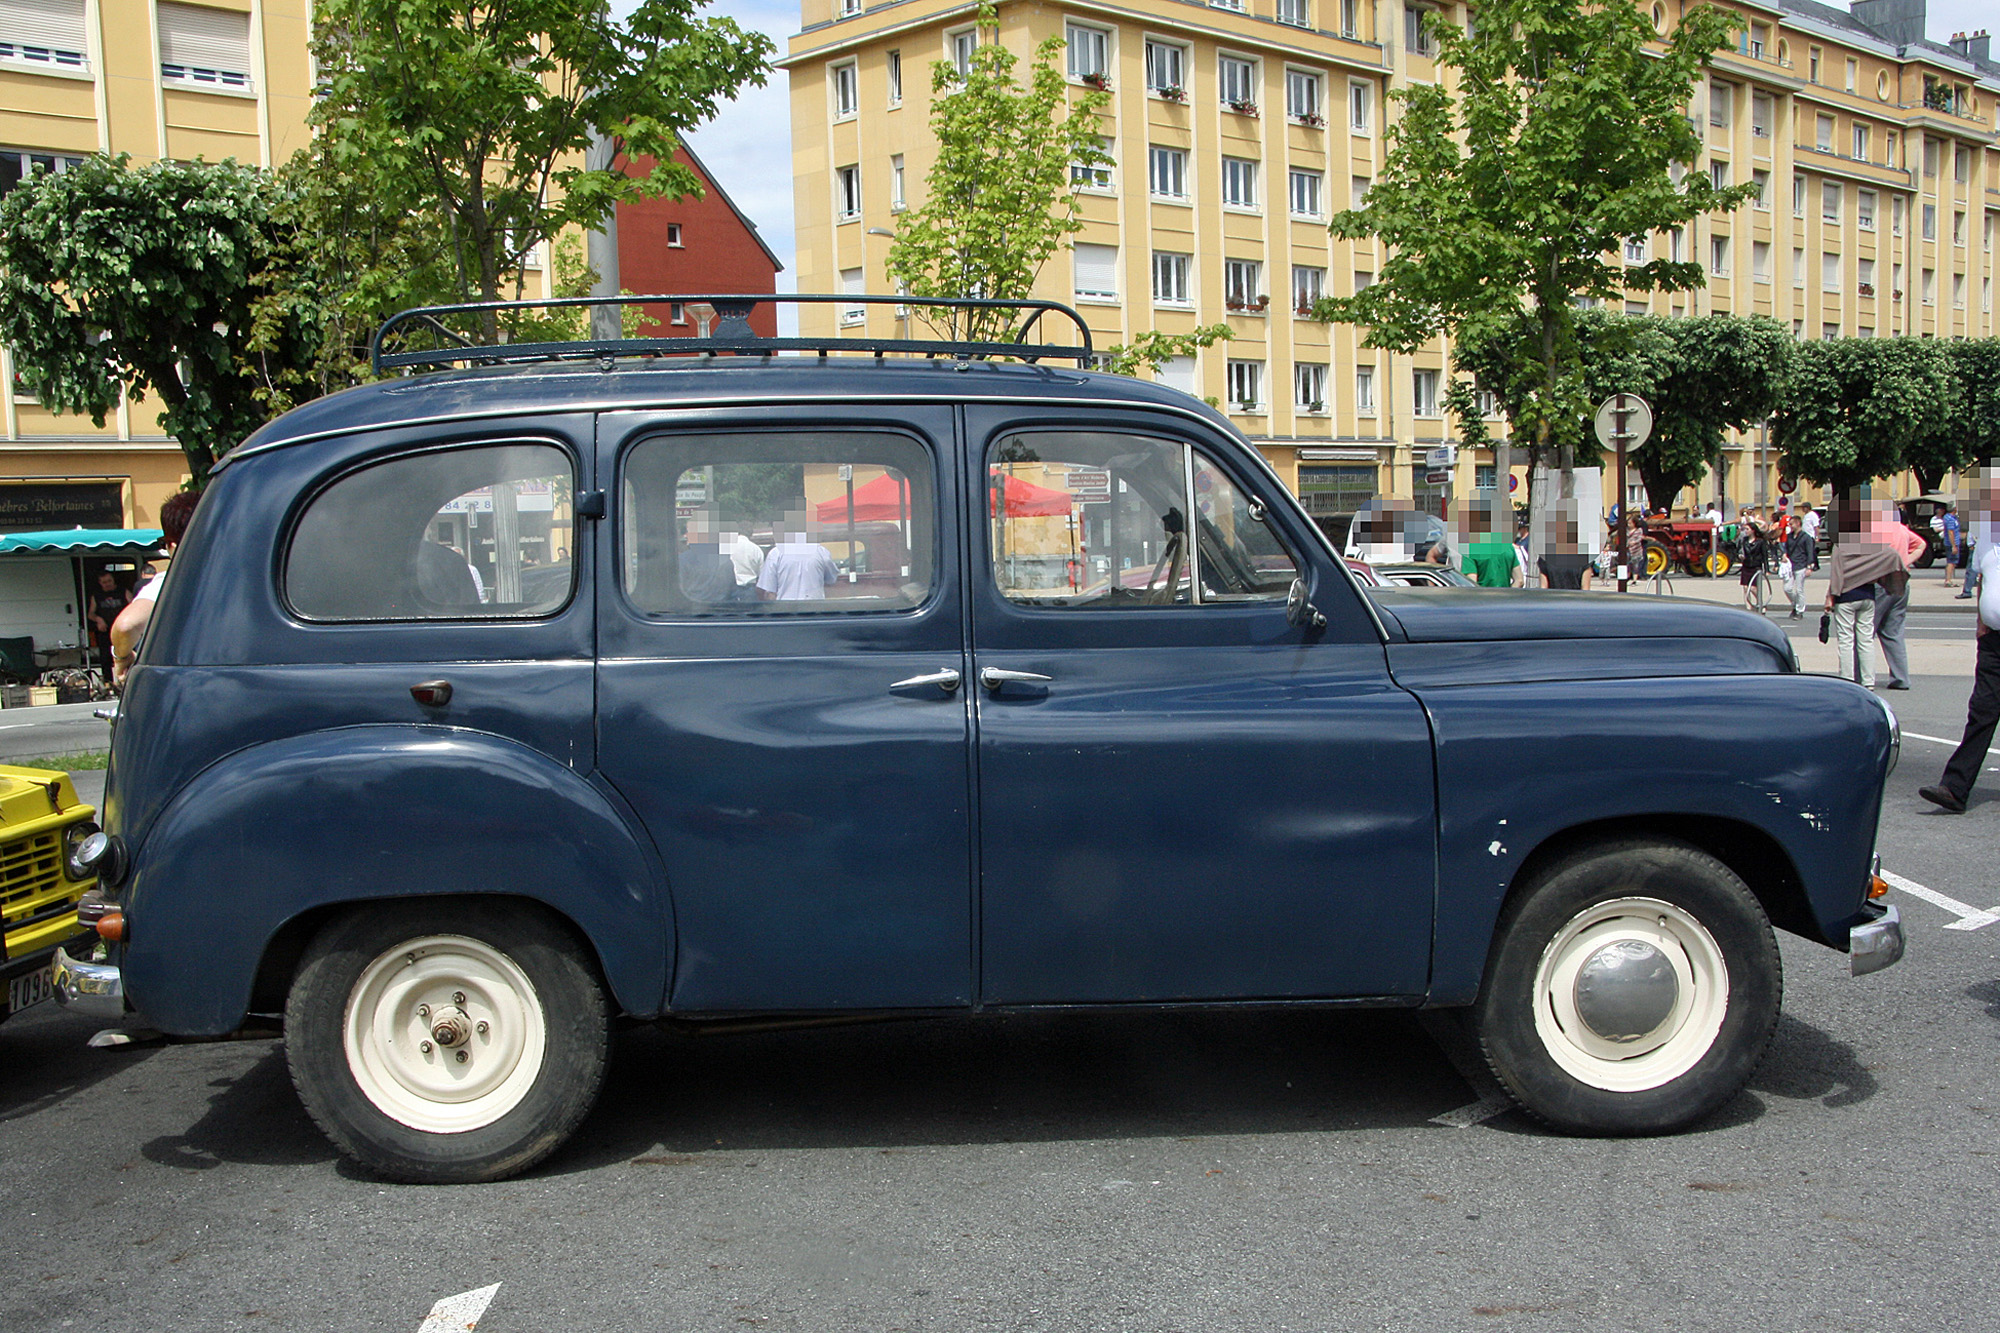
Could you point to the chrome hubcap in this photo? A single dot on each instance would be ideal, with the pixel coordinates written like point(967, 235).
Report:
point(1626, 990)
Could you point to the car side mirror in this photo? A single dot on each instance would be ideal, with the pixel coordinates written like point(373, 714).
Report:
point(1299, 611)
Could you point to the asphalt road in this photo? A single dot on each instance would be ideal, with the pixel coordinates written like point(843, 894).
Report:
point(1253, 1170)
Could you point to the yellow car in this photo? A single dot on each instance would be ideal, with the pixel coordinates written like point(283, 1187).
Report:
point(42, 824)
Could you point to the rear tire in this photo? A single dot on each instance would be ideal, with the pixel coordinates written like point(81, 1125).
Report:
point(447, 1041)
point(1718, 563)
point(1658, 558)
point(1632, 989)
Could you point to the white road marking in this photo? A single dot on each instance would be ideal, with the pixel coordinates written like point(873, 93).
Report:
point(1969, 917)
point(1939, 740)
point(460, 1313)
point(1465, 1117)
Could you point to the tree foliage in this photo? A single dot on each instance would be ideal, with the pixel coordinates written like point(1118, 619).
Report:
point(117, 281)
point(1519, 189)
point(1968, 429)
point(1856, 407)
point(476, 117)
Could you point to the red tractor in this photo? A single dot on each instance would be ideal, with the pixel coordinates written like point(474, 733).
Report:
point(1688, 545)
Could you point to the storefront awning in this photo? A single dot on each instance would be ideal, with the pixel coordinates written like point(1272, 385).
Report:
point(83, 541)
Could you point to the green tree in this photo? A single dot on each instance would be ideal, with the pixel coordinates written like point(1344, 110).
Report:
point(1518, 190)
point(116, 281)
point(1853, 407)
point(477, 116)
point(1970, 429)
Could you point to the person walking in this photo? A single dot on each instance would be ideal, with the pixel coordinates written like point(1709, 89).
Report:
point(1850, 599)
point(1892, 592)
point(1751, 549)
point(1954, 546)
point(1982, 710)
point(1801, 554)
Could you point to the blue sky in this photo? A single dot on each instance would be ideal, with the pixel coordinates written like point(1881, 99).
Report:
point(749, 145)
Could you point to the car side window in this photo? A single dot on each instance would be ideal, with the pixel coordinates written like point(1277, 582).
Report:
point(482, 533)
point(804, 523)
point(1101, 520)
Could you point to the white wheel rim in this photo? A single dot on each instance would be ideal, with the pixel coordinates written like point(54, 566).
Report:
point(402, 1067)
point(1672, 1048)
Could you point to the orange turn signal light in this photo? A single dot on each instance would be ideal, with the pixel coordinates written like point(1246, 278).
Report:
point(111, 926)
point(1877, 887)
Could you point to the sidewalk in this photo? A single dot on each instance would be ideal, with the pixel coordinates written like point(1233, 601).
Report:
point(1927, 591)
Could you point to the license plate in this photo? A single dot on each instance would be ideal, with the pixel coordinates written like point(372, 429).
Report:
point(31, 988)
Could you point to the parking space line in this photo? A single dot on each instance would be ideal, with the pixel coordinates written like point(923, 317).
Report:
point(1939, 740)
point(460, 1313)
point(1969, 917)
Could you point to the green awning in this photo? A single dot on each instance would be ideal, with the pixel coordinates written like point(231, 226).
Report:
point(84, 541)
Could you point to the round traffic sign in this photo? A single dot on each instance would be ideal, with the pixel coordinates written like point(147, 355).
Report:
point(1626, 410)
point(1786, 485)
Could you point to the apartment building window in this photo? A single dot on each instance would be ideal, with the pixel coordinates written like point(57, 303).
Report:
point(1677, 244)
point(895, 78)
point(849, 8)
point(1958, 226)
point(1718, 255)
point(1823, 134)
point(1096, 271)
point(962, 44)
point(1860, 142)
point(1864, 276)
point(1424, 393)
point(1798, 268)
point(1239, 182)
point(1237, 81)
point(1760, 115)
point(1166, 70)
point(1757, 39)
point(1170, 278)
point(1930, 222)
point(1089, 51)
point(1309, 387)
point(1864, 209)
point(1762, 180)
point(1246, 386)
point(673, 235)
point(1829, 273)
point(1718, 175)
point(1829, 201)
point(1305, 193)
point(1302, 97)
point(1166, 172)
point(1986, 293)
point(1357, 192)
point(1721, 103)
point(1896, 207)
point(1350, 18)
point(1236, 5)
point(1961, 163)
point(851, 285)
point(16, 166)
point(44, 34)
point(1242, 284)
point(1361, 107)
point(1760, 261)
point(1853, 74)
point(206, 47)
point(1891, 142)
point(1094, 175)
point(1988, 241)
point(1415, 37)
point(1363, 280)
point(1635, 249)
point(846, 95)
point(1895, 282)
point(1930, 286)
point(1799, 196)
point(1930, 157)
point(1364, 390)
point(1829, 331)
point(1958, 291)
point(848, 181)
point(898, 200)
point(1812, 64)
point(1308, 285)
point(1295, 13)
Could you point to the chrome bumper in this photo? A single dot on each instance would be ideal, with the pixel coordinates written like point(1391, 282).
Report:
point(96, 989)
point(1871, 946)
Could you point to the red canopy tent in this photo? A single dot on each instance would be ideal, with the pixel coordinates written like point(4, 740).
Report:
point(1027, 500)
point(887, 500)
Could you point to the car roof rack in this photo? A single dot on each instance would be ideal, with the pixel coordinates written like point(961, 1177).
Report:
point(731, 335)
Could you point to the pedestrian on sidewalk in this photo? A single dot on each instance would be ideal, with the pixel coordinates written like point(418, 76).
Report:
point(1751, 549)
point(1892, 593)
point(1982, 710)
point(1954, 546)
point(1801, 555)
point(1857, 567)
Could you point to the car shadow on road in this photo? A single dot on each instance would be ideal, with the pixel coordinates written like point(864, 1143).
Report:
point(44, 1062)
point(253, 1118)
point(1806, 1064)
point(1015, 1078)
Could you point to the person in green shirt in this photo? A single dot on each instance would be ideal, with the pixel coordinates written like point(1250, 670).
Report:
point(1491, 559)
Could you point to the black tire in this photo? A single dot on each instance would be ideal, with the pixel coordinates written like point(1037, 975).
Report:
point(476, 954)
point(1697, 913)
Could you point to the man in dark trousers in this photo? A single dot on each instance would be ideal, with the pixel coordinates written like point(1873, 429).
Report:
point(1954, 789)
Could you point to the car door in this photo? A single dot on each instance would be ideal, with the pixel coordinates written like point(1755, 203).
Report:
point(1181, 795)
point(780, 654)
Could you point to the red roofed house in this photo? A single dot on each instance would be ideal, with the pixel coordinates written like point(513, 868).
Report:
point(697, 246)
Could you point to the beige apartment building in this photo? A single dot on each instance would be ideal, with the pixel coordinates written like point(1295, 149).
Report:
point(1239, 127)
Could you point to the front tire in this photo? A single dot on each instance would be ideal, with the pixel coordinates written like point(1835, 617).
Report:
point(1717, 563)
point(447, 1041)
point(1632, 990)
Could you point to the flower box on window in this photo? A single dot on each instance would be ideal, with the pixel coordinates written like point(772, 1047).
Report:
point(1249, 304)
point(1099, 80)
point(1171, 93)
point(1865, 288)
point(1242, 106)
point(1310, 119)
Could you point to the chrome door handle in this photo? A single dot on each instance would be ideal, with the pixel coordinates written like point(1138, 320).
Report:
point(946, 680)
point(994, 677)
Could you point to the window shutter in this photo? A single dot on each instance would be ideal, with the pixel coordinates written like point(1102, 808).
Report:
point(47, 32)
point(1177, 372)
point(204, 45)
point(1097, 270)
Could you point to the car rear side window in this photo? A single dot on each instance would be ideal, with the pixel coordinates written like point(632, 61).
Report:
point(478, 533)
point(803, 523)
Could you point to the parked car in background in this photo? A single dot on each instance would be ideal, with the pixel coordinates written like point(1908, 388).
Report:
point(1110, 722)
point(1419, 574)
point(42, 828)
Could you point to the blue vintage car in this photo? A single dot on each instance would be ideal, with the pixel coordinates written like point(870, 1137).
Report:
point(483, 706)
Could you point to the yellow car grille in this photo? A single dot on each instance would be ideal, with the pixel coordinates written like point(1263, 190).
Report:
point(37, 903)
